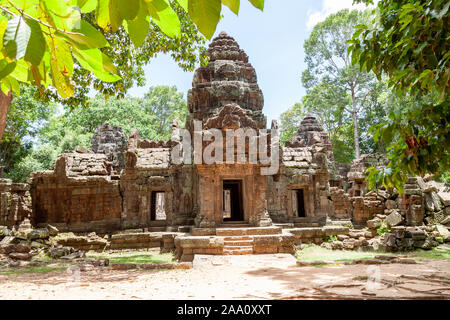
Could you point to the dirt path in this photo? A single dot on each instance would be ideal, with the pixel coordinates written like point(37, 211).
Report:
point(236, 277)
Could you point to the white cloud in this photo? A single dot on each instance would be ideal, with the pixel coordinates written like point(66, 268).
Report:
point(330, 7)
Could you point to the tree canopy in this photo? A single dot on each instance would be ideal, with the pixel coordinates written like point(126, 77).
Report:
point(338, 92)
point(41, 38)
point(55, 133)
point(408, 41)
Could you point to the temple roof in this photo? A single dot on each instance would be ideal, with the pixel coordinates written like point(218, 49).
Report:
point(309, 123)
point(228, 80)
point(224, 47)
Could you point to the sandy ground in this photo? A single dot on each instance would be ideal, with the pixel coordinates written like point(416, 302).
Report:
point(271, 276)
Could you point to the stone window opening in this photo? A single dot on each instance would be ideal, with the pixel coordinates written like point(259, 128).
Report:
point(298, 203)
point(158, 206)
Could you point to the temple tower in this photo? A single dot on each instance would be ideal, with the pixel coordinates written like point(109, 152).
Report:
point(225, 95)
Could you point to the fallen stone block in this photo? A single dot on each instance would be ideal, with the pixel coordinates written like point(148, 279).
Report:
point(404, 261)
point(22, 248)
point(374, 223)
point(52, 231)
point(371, 261)
point(20, 256)
point(394, 219)
point(123, 266)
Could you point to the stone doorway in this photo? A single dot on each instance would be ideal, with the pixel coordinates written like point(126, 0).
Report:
point(158, 206)
point(232, 200)
point(298, 203)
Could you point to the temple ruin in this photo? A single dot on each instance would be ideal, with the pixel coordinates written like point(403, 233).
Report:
point(133, 183)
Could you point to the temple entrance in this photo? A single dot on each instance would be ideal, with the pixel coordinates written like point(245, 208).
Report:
point(158, 206)
point(232, 200)
point(298, 203)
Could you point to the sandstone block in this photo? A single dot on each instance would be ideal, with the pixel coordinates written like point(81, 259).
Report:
point(394, 219)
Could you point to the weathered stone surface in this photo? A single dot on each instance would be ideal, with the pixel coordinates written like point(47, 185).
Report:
point(391, 204)
point(374, 223)
point(437, 201)
point(123, 266)
point(112, 142)
point(52, 231)
point(446, 220)
point(394, 219)
point(20, 256)
point(21, 248)
point(443, 231)
point(6, 248)
point(56, 253)
point(15, 203)
point(444, 197)
point(4, 231)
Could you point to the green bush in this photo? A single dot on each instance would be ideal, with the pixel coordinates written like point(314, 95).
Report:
point(384, 228)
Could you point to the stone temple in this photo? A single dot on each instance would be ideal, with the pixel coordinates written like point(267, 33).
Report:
point(133, 183)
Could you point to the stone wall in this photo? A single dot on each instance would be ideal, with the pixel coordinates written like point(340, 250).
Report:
point(79, 195)
point(15, 203)
point(302, 168)
point(112, 142)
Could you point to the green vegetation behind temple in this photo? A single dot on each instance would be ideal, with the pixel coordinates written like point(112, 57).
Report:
point(44, 133)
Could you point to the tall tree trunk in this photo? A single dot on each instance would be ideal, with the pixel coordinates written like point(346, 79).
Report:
point(5, 100)
point(355, 125)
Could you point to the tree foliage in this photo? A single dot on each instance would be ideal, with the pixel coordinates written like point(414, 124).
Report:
point(150, 115)
point(333, 83)
point(409, 42)
point(43, 38)
point(290, 121)
point(26, 117)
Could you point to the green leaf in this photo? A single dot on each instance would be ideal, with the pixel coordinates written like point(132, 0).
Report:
point(17, 35)
point(36, 45)
point(206, 15)
point(21, 71)
point(102, 13)
point(258, 4)
point(87, 5)
point(129, 8)
point(164, 17)
point(233, 5)
point(88, 37)
point(98, 63)
point(63, 57)
point(6, 68)
point(120, 10)
point(62, 83)
point(115, 15)
point(61, 14)
point(138, 28)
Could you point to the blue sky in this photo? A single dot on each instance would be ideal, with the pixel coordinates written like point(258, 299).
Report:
point(273, 40)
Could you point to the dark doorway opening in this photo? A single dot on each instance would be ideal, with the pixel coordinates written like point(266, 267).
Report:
point(300, 203)
point(158, 206)
point(232, 200)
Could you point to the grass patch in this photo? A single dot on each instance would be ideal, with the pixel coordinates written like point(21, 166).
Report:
point(41, 269)
point(314, 252)
point(135, 257)
point(431, 254)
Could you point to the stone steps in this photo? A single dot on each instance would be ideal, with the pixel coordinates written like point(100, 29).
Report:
point(305, 224)
point(238, 243)
point(235, 225)
point(248, 231)
point(237, 238)
point(238, 250)
point(157, 229)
